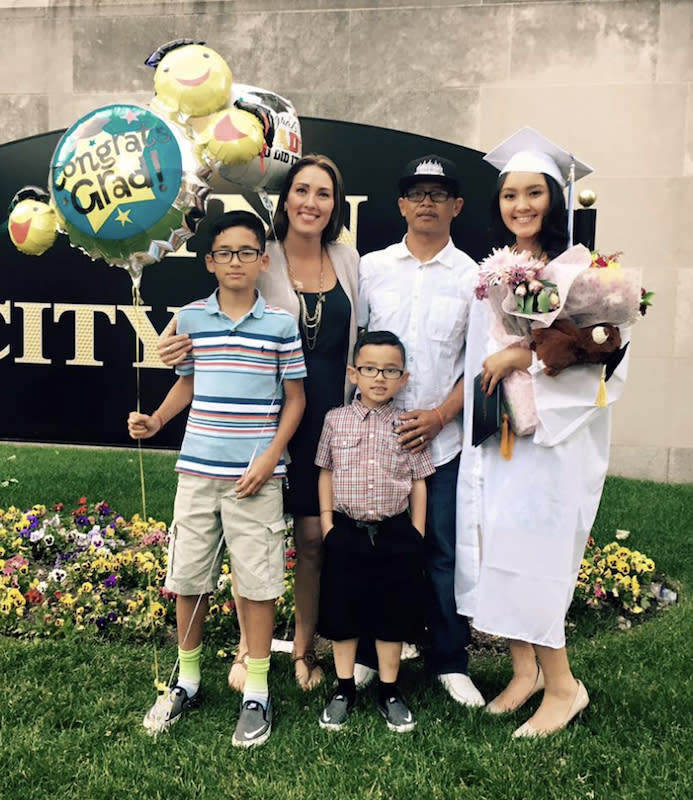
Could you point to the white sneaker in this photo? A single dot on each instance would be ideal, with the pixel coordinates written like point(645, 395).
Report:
point(461, 689)
point(363, 675)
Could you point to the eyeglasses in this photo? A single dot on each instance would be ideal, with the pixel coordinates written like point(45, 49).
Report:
point(246, 255)
point(418, 195)
point(389, 373)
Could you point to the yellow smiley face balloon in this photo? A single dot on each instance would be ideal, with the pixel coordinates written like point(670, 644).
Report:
point(193, 80)
point(32, 227)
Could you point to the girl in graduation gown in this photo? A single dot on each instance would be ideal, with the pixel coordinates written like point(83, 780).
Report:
point(523, 523)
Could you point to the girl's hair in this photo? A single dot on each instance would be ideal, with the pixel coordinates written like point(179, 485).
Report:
point(553, 236)
point(336, 222)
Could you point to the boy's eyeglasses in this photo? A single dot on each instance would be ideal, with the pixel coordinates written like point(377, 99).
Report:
point(246, 255)
point(437, 195)
point(389, 373)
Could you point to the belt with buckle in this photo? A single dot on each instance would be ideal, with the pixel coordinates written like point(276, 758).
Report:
point(371, 529)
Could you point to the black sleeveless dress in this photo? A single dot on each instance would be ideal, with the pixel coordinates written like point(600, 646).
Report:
point(324, 387)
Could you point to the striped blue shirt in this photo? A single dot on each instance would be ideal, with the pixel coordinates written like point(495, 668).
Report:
point(238, 370)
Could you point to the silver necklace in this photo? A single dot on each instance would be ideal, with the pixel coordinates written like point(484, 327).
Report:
point(309, 322)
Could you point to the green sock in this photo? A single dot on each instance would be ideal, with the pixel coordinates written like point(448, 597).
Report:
point(189, 669)
point(256, 681)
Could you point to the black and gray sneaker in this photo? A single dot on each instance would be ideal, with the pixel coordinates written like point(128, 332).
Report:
point(396, 713)
point(169, 708)
point(335, 714)
point(254, 724)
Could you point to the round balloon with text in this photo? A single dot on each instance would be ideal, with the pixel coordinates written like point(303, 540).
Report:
point(122, 181)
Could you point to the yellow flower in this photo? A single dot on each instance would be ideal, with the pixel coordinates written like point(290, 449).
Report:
point(637, 609)
point(635, 587)
point(67, 600)
point(86, 588)
point(157, 611)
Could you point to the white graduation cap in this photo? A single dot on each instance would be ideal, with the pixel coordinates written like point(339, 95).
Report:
point(529, 151)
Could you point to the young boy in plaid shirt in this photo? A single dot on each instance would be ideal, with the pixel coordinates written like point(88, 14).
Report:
point(372, 513)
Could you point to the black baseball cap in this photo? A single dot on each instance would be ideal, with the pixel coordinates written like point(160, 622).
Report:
point(430, 168)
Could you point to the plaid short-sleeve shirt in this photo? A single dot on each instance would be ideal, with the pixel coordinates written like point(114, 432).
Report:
point(372, 474)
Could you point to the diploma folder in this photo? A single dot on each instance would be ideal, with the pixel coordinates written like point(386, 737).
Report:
point(486, 412)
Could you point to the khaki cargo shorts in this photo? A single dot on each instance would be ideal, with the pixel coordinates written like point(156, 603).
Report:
point(206, 513)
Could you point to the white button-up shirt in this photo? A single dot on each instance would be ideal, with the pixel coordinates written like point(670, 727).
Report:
point(427, 306)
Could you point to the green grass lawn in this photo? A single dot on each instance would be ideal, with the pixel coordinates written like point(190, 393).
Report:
point(70, 717)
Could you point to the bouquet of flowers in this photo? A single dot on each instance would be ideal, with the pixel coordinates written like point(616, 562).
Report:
point(585, 288)
point(580, 289)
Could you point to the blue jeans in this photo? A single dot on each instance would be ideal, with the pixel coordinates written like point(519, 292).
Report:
point(448, 631)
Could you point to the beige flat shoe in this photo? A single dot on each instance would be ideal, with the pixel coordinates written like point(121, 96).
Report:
point(239, 672)
point(496, 708)
point(580, 703)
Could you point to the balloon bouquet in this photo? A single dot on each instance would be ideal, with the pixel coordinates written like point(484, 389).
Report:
point(129, 184)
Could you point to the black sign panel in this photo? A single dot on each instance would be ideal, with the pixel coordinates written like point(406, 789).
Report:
point(67, 323)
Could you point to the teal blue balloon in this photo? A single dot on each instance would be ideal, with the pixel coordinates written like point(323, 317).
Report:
point(122, 181)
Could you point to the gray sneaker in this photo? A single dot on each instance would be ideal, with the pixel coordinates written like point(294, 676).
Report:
point(397, 714)
point(254, 724)
point(335, 714)
point(169, 708)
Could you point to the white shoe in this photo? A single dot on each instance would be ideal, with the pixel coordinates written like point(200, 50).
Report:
point(409, 651)
point(363, 675)
point(461, 689)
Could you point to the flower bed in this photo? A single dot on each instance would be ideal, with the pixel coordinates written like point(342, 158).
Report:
point(90, 571)
point(616, 577)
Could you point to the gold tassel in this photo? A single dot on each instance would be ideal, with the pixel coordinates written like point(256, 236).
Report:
point(507, 438)
point(601, 392)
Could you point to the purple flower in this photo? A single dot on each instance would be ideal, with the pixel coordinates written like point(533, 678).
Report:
point(111, 582)
point(101, 623)
point(112, 617)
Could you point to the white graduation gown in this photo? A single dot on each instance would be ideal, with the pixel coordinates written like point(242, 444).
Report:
point(522, 524)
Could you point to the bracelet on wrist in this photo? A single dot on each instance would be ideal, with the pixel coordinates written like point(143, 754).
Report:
point(440, 418)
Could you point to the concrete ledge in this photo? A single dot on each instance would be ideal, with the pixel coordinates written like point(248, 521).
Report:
point(652, 463)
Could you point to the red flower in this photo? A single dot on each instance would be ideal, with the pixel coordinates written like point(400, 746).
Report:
point(290, 564)
point(58, 506)
point(34, 597)
point(82, 500)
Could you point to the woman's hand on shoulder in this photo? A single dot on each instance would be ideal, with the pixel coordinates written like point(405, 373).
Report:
point(502, 363)
point(173, 347)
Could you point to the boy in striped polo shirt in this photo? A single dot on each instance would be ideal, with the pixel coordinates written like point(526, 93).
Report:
point(244, 378)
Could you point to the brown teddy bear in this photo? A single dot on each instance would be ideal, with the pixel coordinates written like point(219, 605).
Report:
point(563, 344)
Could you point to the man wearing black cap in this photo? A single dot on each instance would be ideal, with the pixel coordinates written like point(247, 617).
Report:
point(421, 289)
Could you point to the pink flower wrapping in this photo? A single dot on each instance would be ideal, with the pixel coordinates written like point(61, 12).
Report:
point(585, 289)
